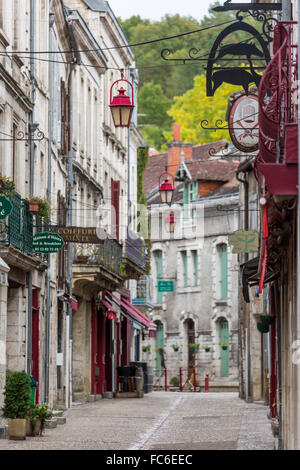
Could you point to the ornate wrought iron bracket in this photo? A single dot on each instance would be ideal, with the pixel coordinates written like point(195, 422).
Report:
point(218, 126)
point(37, 135)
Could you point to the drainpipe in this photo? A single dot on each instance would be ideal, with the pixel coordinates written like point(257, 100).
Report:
point(298, 226)
point(49, 182)
point(32, 128)
point(245, 168)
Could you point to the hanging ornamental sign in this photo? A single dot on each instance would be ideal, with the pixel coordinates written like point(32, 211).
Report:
point(5, 207)
point(243, 123)
point(47, 243)
point(244, 241)
point(247, 58)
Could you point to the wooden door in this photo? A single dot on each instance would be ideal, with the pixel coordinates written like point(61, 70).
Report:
point(35, 339)
point(98, 352)
point(159, 345)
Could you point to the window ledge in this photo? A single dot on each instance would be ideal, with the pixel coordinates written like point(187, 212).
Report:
point(221, 302)
point(188, 290)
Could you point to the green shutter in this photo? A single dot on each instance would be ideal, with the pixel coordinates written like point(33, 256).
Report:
point(185, 268)
point(196, 268)
point(224, 353)
point(195, 189)
point(159, 270)
point(186, 201)
point(224, 272)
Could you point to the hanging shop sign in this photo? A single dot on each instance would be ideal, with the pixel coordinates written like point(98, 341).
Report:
point(165, 286)
point(5, 207)
point(86, 235)
point(244, 241)
point(47, 243)
point(243, 123)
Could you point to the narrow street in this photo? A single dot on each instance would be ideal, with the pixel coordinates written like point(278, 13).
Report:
point(159, 421)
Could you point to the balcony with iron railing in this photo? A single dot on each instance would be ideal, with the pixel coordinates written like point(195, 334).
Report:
point(16, 236)
point(107, 256)
point(144, 293)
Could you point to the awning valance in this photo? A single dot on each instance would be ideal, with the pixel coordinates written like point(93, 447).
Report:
point(133, 312)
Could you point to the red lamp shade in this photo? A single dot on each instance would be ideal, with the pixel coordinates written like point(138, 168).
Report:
point(170, 223)
point(121, 106)
point(166, 191)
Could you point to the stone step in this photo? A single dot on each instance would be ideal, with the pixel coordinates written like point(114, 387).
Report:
point(4, 431)
point(79, 397)
point(51, 423)
point(108, 395)
point(61, 419)
point(92, 398)
point(57, 413)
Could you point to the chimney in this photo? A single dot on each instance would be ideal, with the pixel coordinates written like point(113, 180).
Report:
point(175, 149)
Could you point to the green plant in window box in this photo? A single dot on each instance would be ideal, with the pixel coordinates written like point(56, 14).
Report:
point(207, 348)
point(146, 348)
point(123, 271)
point(175, 347)
point(40, 207)
point(194, 346)
point(224, 346)
point(7, 186)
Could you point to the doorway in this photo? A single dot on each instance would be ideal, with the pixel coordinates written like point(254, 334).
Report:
point(224, 347)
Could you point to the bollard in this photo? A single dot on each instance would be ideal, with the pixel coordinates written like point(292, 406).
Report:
point(180, 379)
point(195, 386)
point(166, 381)
point(206, 383)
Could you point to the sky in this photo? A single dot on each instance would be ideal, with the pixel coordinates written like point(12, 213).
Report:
point(156, 9)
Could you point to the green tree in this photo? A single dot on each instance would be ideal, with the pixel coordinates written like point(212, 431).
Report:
point(194, 106)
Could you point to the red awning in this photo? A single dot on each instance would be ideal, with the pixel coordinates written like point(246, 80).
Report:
point(134, 313)
point(150, 324)
point(111, 312)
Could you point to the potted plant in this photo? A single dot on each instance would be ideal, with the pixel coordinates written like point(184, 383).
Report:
point(7, 186)
point(206, 348)
point(37, 415)
point(40, 206)
point(175, 347)
point(224, 346)
point(17, 397)
point(194, 346)
point(146, 348)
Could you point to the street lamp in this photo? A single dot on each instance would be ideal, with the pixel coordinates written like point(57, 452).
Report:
point(170, 223)
point(121, 106)
point(166, 188)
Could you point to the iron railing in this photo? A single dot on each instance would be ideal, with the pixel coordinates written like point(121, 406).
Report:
point(17, 228)
point(108, 255)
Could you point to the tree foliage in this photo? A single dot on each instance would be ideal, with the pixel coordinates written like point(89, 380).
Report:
point(194, 106)
point(160, 80)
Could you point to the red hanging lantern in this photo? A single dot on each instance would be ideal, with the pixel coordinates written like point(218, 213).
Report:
point(166, 188)
point(170, 223)
point(121, 106)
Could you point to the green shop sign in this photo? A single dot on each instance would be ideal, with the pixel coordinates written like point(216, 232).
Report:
point(244, 241)
point(47, 243)
point(5, 207)
point(165, 286)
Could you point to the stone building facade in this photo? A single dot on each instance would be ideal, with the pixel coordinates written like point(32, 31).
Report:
point(58, 142)
point(203, 308)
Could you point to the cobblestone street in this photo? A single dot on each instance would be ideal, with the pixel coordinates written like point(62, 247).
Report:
point(159, 421)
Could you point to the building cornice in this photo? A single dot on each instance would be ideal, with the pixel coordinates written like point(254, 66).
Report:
point(15, 90)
